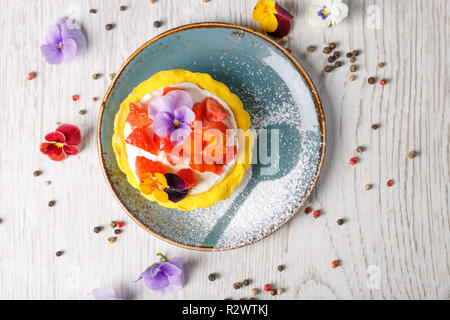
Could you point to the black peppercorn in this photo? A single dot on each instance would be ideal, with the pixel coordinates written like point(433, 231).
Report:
point(340, 221)
point(355, 53)
point(109, 26)
point(280, 268)
point(371, 80)
point(246, 282)
point(59, 253)
point(157, 24)
point(337, 54)
point(326, 50)
point(328, 69)
point(349, 55)
point(212, 277)
point(331, 59)
point(332, 45)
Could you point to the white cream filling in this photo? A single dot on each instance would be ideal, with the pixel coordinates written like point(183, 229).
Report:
point(206, 180)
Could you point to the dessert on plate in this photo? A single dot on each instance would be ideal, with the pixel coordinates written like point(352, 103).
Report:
point(183, 139)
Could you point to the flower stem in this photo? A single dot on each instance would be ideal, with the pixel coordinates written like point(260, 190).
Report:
point(163, 258)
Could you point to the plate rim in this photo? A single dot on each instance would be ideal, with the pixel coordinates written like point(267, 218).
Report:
point(303, 73)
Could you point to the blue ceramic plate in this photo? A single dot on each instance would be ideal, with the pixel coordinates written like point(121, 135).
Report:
point(279, 97)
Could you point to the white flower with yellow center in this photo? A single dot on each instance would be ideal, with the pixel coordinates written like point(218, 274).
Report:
point(326, 13)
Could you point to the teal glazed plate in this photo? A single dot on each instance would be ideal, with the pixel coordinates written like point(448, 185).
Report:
point(285, 112)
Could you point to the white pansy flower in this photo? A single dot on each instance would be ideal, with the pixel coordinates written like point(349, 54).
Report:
point(326, 13)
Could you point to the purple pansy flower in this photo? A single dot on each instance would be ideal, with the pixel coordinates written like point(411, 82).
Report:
point(172, 114)
point(103, 294)
point(65, 40)
point(165, 276)
point(177, 188)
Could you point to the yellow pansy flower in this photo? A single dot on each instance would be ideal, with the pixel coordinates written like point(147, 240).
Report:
point(265, 13)
point(154, 183)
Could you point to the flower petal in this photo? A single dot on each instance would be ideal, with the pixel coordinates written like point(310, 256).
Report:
point(71, 150)
point(51, 53)
point(147, 188)
point(103, 294)
point(72, 134)
point(284, 26)
point(69, 48)
point(71, 29)
point(174, 182)
point(178, 136)
point(160, 196)
point(161, 104)
point(53, 35)
point(157, 282)
point(54, 152)
point(55, 137)
point(182, 98)
point(269, 23)
point(184, 114)
point(161, 179)
point(169, 269)
point(163, 124)
point(283, 13)
point(176, 195)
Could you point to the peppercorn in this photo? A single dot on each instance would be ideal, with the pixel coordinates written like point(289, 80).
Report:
point(113, 224)
point(328, 69)
point(381, 65)
point(157, 24)
point(371, 80)
point(353, 68)
point(47, 183)
point(252, 298)
point(112, 239)
point(52, 203)
point(368, 187)
point(37, 173)
point(273, 292)
point(326, 50)
point(75, 97)
point(95, 76)
point(284, 40)
point(109, 26)
point(352, 78)
point(267, 287)
point(212, 277)
point(254, 292)
point(31, 75)
point(374, 126)
point(112, 76)
point(97, 229)
point(331, 59)
point(205, 0)
point(353, 161)
point(310, 49)
point(411, 154)
point(340, 221)
point(332, 45)
point(59, 253)
point(336, 54)
point(58, 124)
point(123, 8)
point(117, 231)
point(349, 54)
point(152, 1)
point(355, 53)
point(360, 149)
point(246, 282)
point(82, 112)
point(338, 64)
point(352, 59)
point(316, 214)
point(93, 11)
point(390, 183)
point(119, 224)
point(383, 82)
point(95, 99)
point(237, 285)
point(335, 264)
point(280, 267)
point(280, 291)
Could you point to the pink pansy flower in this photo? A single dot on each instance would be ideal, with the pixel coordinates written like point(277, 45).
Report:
point(62, 142)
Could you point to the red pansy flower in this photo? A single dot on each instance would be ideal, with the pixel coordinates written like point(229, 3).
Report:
point(62, 142)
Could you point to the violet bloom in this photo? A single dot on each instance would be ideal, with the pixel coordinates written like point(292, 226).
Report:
point(103, 294)
point(65, 40)
point(165, 276)
point(172, 114)
point(177, 188)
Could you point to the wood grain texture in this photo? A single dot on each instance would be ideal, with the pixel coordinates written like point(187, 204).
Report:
point(403, 230)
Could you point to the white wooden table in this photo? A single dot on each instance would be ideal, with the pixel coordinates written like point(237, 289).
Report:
point(401, 233)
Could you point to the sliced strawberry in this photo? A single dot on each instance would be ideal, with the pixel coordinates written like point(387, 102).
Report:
point(144, 165)
point(199, 110)
point(188, 177)
point(142, 137)
point(215, 112)
point(168, 89)
point(164, 144)
point(138, 117)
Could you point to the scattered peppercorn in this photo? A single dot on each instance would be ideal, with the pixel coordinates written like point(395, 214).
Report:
point(58, 124)
point(326, 50)
point(254, 292)
point(338, 64)
point(308, 210)
point(355, 53)
point(336, 54)
point(252, 298)
point(280, 291)
point(328, 69)
point(82, 112)
point(1, 220)
point(335, 264)
point(98, 229)
point(75, 97)
point(52, 203)
point(331, 59)
point(112, 76)
point(371, 80)
point(353, 161)
point(93, 11)
point(280, 267)
point(47, 183)
point(352, 78)
point(390, 183)
point(95, 76)
point(381, 65)
point(352, 59)
point(349, 55)
point(237, 285)
point(332, 45)
point(59, 253)
point(157, 24)
point(109, 26)
point(273, 292)
point(340, 221)
point(31, 76)
point(113, 224)
point(353, 68)
point(123, 8)
point(374, 126)
point(246, 282)
point(119, 224)
point(284, 40)
point(267, 287)
point(117, 231)
point(383, 82)
point(112, 239)
point(212, 277)
point(316, 214)
point(360, 149)
point(95, 99)
point(368, 187)
point(310, 49)
point(411, 154)
point(152, 1)
point(37, 173)
point(205, 0)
